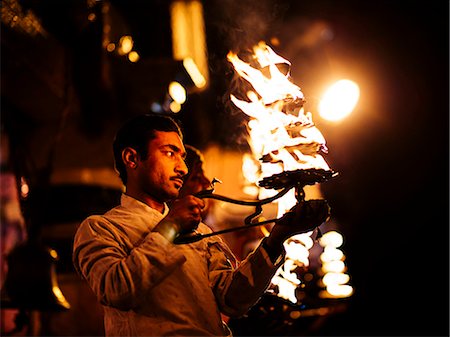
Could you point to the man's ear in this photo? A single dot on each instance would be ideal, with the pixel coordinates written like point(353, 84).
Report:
point(130, 157)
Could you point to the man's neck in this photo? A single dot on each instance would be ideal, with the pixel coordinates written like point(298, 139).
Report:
point(148, 200)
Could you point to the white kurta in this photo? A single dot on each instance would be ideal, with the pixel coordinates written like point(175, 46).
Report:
point(151, 287)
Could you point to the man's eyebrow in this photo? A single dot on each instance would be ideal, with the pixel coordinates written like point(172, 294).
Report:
point(175, 148)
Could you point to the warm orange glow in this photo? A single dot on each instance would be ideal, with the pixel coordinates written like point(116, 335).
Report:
point(331, 238)
point(250, 169)
point(110, 47)
point(297, 252)
point(175, 107)
point(331, 254)
point(194, 72)
point(264, 231)
point(335, 278)
point(59, 295)
point(340, 290)
point(125, 44)
point(177, 92)
point(287, 281)
point(133, 56)
point(280, 129)
point(333, 266)
point(188, 37)
point(92, 17)
point(339, 100)
point(53, 253)
point(57, 292)
point(106, 28)
point(304, 239)
point(24, 188)
point(285, 135)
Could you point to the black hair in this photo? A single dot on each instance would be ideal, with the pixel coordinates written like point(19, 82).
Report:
point(136, 133)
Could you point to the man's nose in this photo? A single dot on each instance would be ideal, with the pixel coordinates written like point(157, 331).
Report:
point(182, 167)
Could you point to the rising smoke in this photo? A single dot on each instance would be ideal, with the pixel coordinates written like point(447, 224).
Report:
point(239, 25)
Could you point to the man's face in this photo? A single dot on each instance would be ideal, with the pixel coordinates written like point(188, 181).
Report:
point(160, 175)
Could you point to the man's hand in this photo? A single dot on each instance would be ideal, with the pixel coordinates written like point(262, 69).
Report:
point(183, 217)
point(302, 218)
point(186, 212)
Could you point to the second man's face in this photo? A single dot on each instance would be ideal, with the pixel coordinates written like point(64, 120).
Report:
point(196, 182)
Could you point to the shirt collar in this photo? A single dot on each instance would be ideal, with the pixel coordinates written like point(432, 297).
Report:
point(130, 202)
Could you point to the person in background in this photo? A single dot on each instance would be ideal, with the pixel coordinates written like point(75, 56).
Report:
point(241, 242)
point(148, 284)
point(195, 180)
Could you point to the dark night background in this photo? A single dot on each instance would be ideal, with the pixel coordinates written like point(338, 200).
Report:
point(391, 198)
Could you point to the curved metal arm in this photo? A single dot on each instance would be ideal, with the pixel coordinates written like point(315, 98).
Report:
point(209, 194)
point(183, 239)
point(194, 237)
point(287, 180)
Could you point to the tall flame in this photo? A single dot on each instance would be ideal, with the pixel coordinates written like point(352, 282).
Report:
point(282, 135)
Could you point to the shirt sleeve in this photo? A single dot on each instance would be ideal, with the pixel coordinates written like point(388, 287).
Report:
point(116, 273)
point(238, 289)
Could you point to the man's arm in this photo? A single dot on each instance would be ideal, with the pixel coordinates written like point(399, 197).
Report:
point(238, 290)
point(117, 271)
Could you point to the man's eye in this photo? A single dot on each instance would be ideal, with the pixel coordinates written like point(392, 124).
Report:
point(170, 153)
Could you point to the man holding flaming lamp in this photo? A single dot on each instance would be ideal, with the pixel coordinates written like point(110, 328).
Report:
point(147, 283)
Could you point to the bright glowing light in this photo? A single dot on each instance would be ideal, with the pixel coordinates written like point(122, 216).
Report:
point(305, 240)
point(59, 295)
point(175, 107)
point(284, 135)
point(286, 288)
point(333, 267)
point(339, 100)
point(57, 292)
point(194, 72)
point(110, 47)
point(280, 130)
point(297, 252)
point(53, 253)
point(250, 170)
point(24, 188)
point(331, 254)
point(340, 290)
point(189, 38)
point(331, 238)
point(287, 281)
point(126, 44)
point(133, 56)
point(177, 92)
point(335, 278)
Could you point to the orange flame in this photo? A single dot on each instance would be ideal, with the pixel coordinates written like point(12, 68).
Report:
point(281, 132)
point(283, 137)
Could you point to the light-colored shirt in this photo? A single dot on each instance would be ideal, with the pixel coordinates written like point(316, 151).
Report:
point(151, 287)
